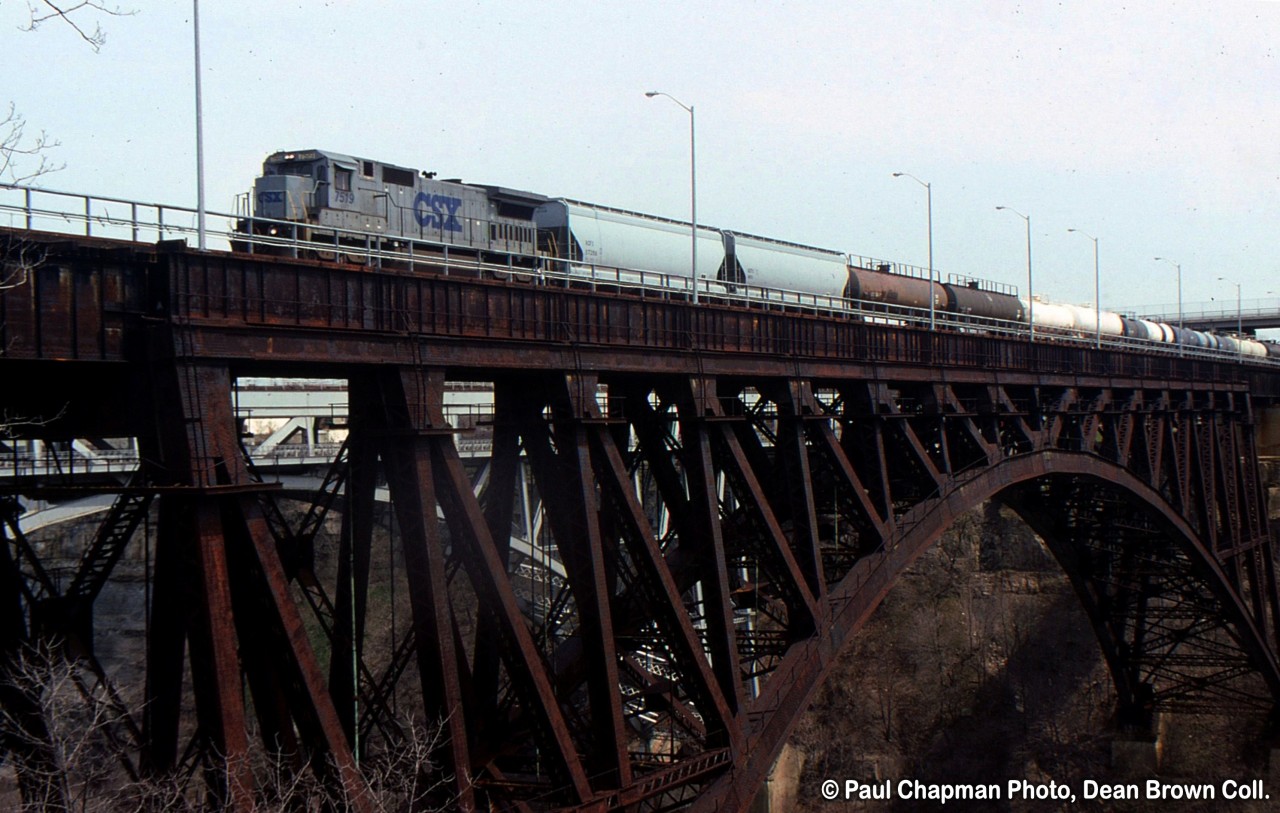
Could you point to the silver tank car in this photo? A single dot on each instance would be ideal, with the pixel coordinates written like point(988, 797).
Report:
point(765, 263)
point(600, 239)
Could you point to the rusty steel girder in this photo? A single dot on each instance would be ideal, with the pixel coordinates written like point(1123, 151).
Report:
point(728, 495)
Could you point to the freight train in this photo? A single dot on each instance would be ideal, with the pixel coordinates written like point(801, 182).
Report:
point(333, 205)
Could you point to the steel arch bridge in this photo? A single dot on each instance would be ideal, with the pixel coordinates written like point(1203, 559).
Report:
point(728, 492)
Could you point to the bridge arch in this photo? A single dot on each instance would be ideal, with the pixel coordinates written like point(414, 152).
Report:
point(1136, 589)
point(1032, 486)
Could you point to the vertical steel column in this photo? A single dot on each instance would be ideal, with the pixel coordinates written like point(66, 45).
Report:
point(198, 436)
point(412, 399)
point(354, 551)
point(215, 662)
point(499, 501)
point(794, 468)
point(469, 532)
point(172, 582)
point(564, 479)
point(695, 399)
point(191, 559)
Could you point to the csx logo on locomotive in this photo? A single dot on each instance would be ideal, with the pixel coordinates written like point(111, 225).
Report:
point(270, 197)
point(437, 212)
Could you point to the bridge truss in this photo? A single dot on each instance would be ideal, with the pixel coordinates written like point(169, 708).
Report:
point(728, 494)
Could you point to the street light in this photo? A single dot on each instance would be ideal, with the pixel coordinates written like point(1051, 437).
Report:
point(693, 188)
point(1097, 288)
point(1239, 318)
point(928, 190)
point(200, 215)
point(1031, 300)
point(1178, 266)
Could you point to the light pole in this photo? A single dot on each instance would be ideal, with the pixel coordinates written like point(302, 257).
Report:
point(1178, 267)
point(1097, 289)
point(200, 230)
point(928, 192)
point(1031, 299)
point(693, 188)
point(1239, 318)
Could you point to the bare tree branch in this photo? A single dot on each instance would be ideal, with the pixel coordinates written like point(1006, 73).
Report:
point(14, 146)
point(49, 10)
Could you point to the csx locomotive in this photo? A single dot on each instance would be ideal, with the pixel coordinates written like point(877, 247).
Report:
point(334, 204)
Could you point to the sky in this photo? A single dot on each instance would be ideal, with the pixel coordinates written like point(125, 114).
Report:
point(1154, 127)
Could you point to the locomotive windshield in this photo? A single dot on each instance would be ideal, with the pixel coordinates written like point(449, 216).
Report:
point(305, 169)
point(292, 163)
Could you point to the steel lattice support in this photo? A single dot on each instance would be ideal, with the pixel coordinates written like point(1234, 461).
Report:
point(723, 496)
point(793, 506)
point(663, 660)
point(667, 667)
point(222, 587)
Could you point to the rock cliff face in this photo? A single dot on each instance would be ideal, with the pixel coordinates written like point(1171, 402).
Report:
point(981, 667)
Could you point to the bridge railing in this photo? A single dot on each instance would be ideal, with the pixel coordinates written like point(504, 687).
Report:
point(98, 216)
point(33, 209)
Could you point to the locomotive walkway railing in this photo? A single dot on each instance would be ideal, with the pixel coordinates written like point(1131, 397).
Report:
point(52, 211)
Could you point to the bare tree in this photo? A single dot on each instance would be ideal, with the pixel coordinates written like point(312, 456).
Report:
point(58, 731)
point(17, 151)
point(71, 756)
point(25, 158)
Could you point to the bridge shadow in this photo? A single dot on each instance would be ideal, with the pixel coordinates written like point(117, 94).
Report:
point(1016, 726)
point(1048, 712)
point(991, 667)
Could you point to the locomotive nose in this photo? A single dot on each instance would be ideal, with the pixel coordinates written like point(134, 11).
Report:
point(281, 197)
